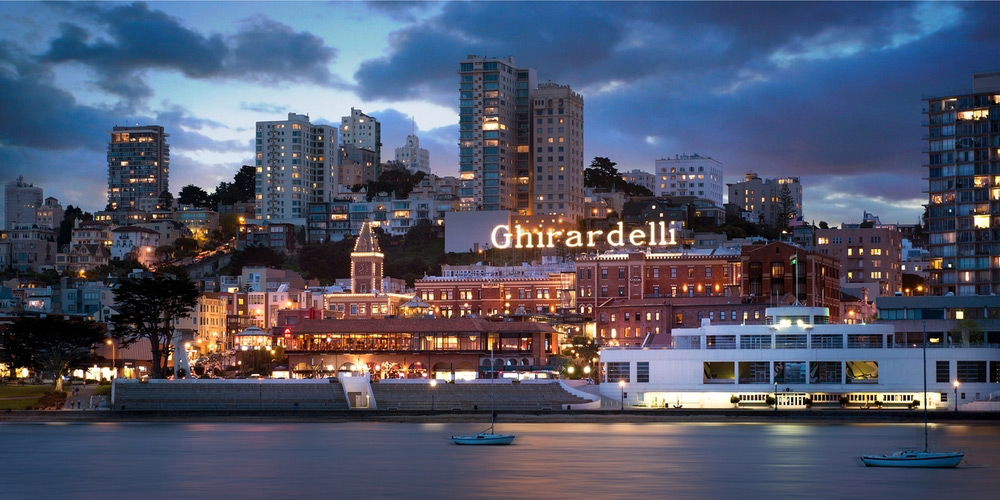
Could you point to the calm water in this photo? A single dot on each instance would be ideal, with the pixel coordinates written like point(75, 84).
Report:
point(393, 460)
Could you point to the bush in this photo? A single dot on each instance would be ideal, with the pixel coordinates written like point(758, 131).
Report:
point(770, 400)
point(734, 399)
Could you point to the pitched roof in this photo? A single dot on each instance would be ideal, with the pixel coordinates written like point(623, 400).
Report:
point(366, 242)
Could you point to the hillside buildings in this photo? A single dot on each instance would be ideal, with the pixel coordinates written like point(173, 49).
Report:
point(760, 199)
point(964, 189)
point(690, 175)
point(296, 163)
point(361, 131)
point(641, 178)
point(20, 203)
point(413, 157)
point(138, 168)
point(870, 256)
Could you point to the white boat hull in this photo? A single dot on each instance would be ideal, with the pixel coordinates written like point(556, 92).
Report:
point(484, 438)
point(914, 459)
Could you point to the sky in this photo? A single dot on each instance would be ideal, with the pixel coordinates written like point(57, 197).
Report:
point(828, 92)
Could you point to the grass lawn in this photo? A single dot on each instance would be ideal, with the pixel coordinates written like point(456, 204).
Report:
point(20, 397)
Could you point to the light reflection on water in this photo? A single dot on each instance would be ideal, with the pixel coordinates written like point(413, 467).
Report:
point(387, 460)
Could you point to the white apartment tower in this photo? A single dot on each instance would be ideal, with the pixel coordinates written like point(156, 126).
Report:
point(495, 147)
point(413, 157)
point(363, 132)
point(296, 165)
point(557, 181)
point(690, 175)
point(761, 198)
point(138, 168)
point(21, 202)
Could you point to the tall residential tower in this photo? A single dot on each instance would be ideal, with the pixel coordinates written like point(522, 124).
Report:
point(557, 184)
point(138, 167)
point(296, 164)
point(495, 160)
point(963, 171)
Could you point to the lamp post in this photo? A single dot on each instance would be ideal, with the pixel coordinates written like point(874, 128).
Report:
point(113, 364)
point(433, 385)
point(775, 395)
point(621, 383)
point(956, 396)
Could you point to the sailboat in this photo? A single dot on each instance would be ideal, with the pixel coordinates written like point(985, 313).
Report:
point(488, 436)
point(917, 458)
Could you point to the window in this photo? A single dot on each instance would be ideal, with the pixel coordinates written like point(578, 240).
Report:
point(943, 372)
point(621, 273)
point(617, 371)
point(825, 372)
point(642, 372)
point(790, 372)
point(755, 372)
point(971, 371)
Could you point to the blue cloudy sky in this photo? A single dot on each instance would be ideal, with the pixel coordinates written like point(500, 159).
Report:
point(828, 92)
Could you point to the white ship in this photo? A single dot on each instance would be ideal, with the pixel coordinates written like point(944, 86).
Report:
point(798, 360)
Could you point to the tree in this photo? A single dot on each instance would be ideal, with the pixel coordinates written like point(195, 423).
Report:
point(244, 184)
point(601, 173)
point(166, 200)
point(147, 309)
point(823, 225)
point(50, 345)
point(786, 207)
point(194, 195)
point(70, 217)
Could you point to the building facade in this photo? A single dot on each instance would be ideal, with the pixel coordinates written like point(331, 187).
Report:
point(870, 257)
point(138, 168)
point(556, 186)
point(963, 171)
point(413, 157)
point(495, 160)
point(761, 198)
point(296, 165)
point(690, 175)
point(641, 178)
point(363, 132)
point(20, 203)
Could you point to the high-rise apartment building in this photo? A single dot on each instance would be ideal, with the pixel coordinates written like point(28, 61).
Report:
point(413, 157)
point(495, 155)
point(138, 168)
point(557, 183)
point(963, 162)
point(20, 203)
point(296, 165)
point(363, 132)
point(690, 175)
point(761, 198)
point(870, 256)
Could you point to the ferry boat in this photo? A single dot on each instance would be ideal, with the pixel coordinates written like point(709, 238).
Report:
point(796, 360)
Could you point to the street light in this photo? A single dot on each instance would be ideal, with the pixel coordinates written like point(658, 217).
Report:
point(956, 396)
point(113, 364)
point(434, 384)
point(775, 395)
point(621, 383)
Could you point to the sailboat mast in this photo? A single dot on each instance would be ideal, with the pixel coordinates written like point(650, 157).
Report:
point(924, 342)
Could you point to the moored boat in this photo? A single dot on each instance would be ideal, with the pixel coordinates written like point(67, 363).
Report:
point(486, 437)
point(915, 459)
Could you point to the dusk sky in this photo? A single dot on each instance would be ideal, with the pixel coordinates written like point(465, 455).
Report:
point(828, 92)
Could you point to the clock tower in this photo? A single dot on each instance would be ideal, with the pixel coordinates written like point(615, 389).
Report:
point(366, 262)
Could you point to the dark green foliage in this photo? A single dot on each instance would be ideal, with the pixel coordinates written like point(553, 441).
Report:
point(147, 309)
point(326, 261)
point(398, 182)
point(256, 255)
point(70, 216)
point(194, 195)
point(602, 174)
point(50, 345)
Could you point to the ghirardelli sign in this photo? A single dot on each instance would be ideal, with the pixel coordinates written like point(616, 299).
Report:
point(653, 234)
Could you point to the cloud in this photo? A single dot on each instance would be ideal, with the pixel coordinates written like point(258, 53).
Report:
point(133, 39)
point(263, 107)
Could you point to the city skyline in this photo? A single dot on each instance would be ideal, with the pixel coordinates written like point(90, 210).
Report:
point(828, 92)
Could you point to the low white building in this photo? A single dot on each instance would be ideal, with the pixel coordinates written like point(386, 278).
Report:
point(799, 359)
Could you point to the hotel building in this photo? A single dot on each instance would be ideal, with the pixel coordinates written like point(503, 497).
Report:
point(963, 171)
point(138, 168)
point(413, 157)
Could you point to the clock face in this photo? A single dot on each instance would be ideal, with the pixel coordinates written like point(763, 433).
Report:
point(363, 268)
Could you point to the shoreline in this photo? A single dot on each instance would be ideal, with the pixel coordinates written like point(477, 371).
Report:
point(548, 416)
